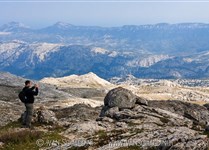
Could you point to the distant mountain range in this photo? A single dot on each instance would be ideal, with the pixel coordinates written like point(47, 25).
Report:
point(159, 38)
point(145, 51)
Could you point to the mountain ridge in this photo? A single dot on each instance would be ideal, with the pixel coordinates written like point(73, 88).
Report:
point(146, 51)
point(64, 24)
point(38, 60)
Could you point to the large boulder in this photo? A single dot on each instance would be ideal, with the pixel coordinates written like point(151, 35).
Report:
point(120, 97)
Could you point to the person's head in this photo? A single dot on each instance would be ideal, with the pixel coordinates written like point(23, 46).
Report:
point(28, 83)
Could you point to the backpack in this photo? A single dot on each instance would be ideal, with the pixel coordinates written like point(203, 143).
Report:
point(22, 96)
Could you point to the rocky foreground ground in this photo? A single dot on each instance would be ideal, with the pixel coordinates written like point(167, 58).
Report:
point(88, 118)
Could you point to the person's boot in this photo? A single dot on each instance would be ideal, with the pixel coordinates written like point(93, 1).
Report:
point(23, 126)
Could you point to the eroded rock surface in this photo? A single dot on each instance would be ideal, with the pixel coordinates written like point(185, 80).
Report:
point(124, 121)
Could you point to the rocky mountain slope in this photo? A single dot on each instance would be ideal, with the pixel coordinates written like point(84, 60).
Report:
point(45, 59)
point(89, 80)
point(195, 91)
point(90, 117)
point(50, 97)
point(39, 60)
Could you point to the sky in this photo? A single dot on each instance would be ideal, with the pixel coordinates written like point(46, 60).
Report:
point(103, 13)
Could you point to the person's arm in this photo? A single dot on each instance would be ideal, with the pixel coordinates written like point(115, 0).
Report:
point(32, 88)
point(32, 92)
point(35, 93)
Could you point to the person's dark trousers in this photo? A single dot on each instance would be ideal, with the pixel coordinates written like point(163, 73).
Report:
point(27, 118)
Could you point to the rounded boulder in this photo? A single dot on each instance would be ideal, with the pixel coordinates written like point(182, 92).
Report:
point(120, 97)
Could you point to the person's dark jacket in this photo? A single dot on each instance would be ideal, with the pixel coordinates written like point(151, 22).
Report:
point(30, 93)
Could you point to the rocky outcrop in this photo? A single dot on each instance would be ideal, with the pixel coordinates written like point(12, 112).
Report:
point(42, 116)
point(141, 101)
point(159, 125)
point(198, 114)
point(9, 112)
point(45, 116)
point(77, 113)
point(120, 98)
point(206, 105)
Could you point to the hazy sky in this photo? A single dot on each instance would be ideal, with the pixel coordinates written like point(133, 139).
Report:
point(38, 14)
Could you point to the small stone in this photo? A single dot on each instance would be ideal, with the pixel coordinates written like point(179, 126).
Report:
point(1, 144)
point(107, 119)
point(121, 124)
